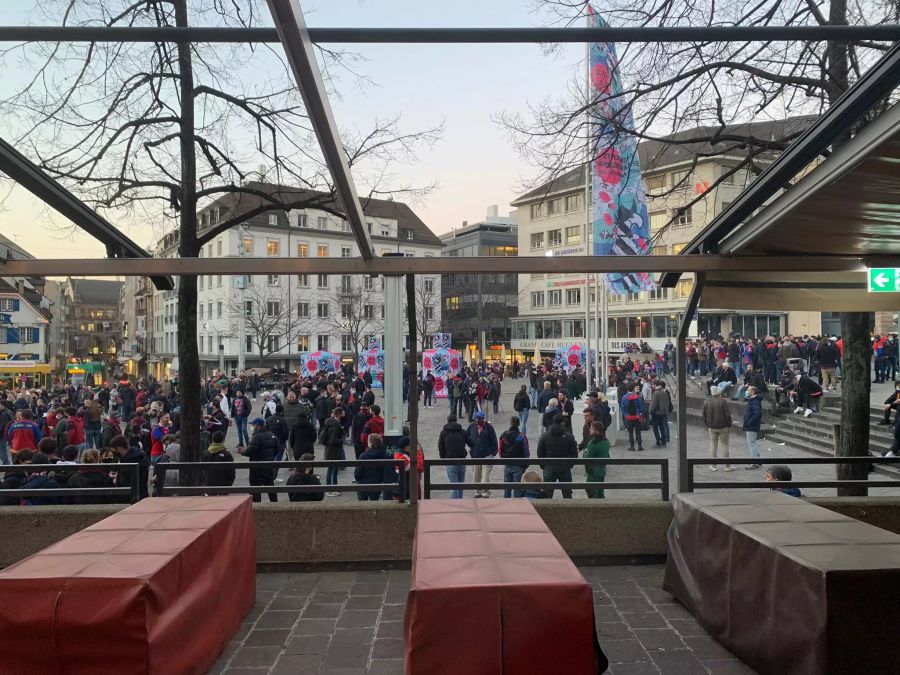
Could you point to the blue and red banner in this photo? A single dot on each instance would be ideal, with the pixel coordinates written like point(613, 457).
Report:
point(621, 225)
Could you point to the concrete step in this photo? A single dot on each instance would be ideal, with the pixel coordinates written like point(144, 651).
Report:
point(819, 446)
point(815, 423)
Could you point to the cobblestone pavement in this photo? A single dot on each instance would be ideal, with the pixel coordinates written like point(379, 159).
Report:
point(432, 420)
point(350, 623)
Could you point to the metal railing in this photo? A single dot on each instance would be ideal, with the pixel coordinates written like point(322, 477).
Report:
point(692, 484)
point(662, 484)
point(132, 491)
point(162, 490)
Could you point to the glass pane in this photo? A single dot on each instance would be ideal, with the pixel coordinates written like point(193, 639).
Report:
point(659, 326)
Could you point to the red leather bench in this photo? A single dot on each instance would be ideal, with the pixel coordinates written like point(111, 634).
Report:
point(160, 587)
point(493, 592)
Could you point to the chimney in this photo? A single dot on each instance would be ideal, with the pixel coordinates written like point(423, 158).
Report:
point(465, 223)
point(493, 211)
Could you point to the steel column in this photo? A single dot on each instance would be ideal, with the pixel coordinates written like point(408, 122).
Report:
point(681, 370)
point(301, 55)
point(393, 355)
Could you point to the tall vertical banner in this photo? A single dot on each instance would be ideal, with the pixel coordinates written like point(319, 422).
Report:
point(621, 225)
point(442, 363)
point(374, 342)
point(313, 363)
point(440, 341)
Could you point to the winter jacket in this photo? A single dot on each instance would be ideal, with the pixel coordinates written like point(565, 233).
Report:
point(263, 447)
point(375, 425)
point(222, 475)
point(827, 354)
point(301, 478)
point(809, 386)
point(371, 475)
point(302, 437)
point(126, 478)
point(293, 410)
point(632, 407)
point(332, 437)
point(521, 402)
point(544, 398)
point(514, 444)
point(276, 424)
point(660, 402)
point(452, 441)
point(716, 413)
point(753, 414)
point(596, 449)
point(23, 435)
point(482, 442)
point(40, 481)
point(557, 443)
point(241, 407)
point(90, 478)
point(756, 379)
point(356, 429)
point(156, 436)
point(324, 407)
point(108, 432)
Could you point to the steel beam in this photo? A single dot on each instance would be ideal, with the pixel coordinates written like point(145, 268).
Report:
point(301, 55)
point(684, 470)
point(445, 265)
point(27, 174)
point(376, 35)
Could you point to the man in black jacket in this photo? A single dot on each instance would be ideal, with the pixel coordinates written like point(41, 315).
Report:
point(557, 443)
point(262, 447)
point(131, 455)
point(452, 445)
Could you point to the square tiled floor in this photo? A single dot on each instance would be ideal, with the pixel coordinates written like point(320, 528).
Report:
point(350, 623)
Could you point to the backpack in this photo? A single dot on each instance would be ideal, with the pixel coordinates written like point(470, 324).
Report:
point(457, 389)
point(631, 406)
point(75, 430)
point(602, 413)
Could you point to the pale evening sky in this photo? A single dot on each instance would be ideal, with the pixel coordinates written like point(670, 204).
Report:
point(474, 164)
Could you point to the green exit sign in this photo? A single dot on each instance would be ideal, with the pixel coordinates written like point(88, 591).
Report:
point(884, 280)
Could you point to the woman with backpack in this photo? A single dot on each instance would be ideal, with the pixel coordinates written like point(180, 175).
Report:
point(522, 405)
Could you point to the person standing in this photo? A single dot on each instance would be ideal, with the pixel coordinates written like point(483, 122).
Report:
point(632, 412)
point(522, 406)
point(366, 475)
point(557, 443)
point(717, 418)
point(752, 423)
point(332, 437)
point(262, 447)
point(240, 412)
point(597, 448)
point(482, 441)
point(452, 445)
point(660, 407)
point(827, 354)
point(514, 445)
point(302, 437)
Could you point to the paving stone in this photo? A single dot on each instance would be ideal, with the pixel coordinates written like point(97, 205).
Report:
point(267, 638)
point(601, 598)
point(255, 657)
point(273, 581)
point(674, 611)
point(308, 644)
point(613, 630)
point(658, 595)
point(294, 602)
point(620, 589)
point(678, 663)
point(390, 629)
point(292, 664)
point(245, 671)
point(633, 604)
point(353, 636)
point(363, 602)
point(618, 651)
point(321, 597)
point(357, 618)
point(392, 612)
point(659, 638)
point(726, 667)
point(707, 648)
point(342, 671)
point(687, 628)
point(317, 611)
point(277, 619)
point(388, 649)
point(314, 627)
point(610, 572)
point(644, 619)
point(347, 656)
point(386, 667)
point(368, 589)
point(634, 668)
point(264, 597)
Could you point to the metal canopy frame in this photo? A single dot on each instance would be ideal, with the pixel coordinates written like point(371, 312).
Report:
point(507, 35)
point(27, 174)
point(874, 85)
point(301, 55)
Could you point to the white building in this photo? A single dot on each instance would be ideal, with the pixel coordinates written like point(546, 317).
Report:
point(287, 315)
point(551, 221)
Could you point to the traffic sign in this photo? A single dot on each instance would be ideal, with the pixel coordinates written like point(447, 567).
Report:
point(884, 280)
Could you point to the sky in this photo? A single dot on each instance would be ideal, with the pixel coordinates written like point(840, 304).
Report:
point(464, 86)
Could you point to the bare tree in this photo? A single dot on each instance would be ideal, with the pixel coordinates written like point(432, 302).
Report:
point(705, 94)
point(428, 297)
point(355, 309)
point(270, 321)
point(154, 130)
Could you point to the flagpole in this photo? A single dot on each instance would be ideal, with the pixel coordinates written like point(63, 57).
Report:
point(588, 229)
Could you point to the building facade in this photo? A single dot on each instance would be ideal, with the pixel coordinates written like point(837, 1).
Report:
point(285, 315)
point(551, 221)
point(92, 320)
point(477, 308)
point(136, 308)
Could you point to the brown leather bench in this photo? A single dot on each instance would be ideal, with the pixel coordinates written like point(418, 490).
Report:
point(787, 586)
point(494, 592)
point(160, 587)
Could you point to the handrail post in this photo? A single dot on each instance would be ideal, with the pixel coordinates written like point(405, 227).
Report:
point(400, 472)
point(160, 473)
point(426, 479)
point(684, 482)
point(664, 477)
point(136, 484)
